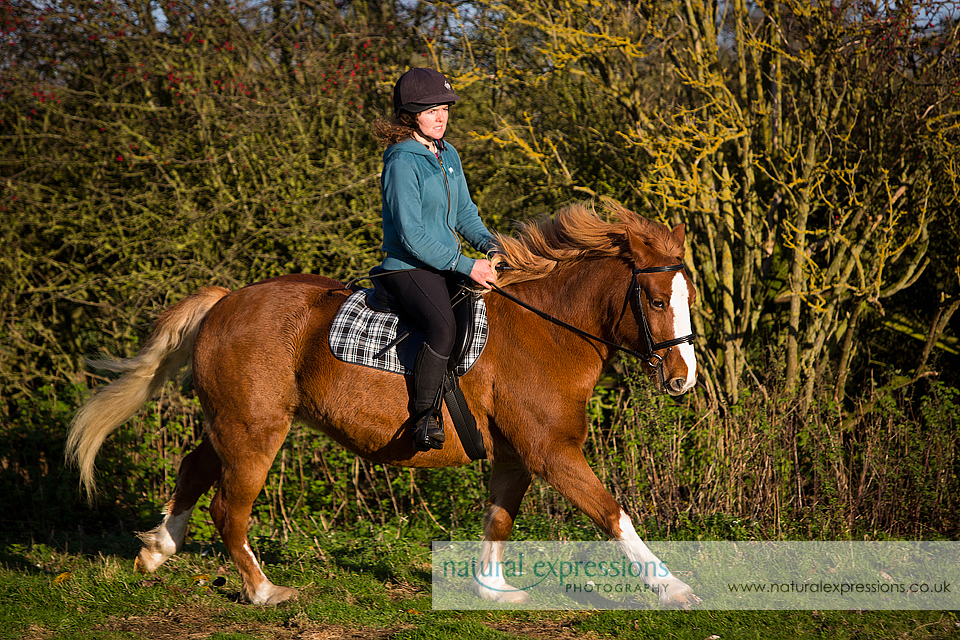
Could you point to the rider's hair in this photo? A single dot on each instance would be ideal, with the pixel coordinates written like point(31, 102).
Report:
point(398, 129)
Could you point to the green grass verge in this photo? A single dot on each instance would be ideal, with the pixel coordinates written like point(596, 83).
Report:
point(350, 588)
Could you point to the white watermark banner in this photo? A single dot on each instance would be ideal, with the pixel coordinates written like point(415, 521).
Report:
point(723, 575)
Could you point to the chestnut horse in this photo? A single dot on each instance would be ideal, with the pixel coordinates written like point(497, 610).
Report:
point(261, 361)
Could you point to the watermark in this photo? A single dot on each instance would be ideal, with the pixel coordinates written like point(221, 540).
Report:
point(723, 575)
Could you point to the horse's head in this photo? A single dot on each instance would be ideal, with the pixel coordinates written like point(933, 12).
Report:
point(661, 297)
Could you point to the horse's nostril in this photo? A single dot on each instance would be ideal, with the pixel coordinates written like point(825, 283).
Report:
point(676, 385)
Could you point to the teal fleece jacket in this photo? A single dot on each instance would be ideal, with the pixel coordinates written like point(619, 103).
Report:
point(425, 205)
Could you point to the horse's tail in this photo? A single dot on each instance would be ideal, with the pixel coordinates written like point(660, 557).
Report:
point(167, 350)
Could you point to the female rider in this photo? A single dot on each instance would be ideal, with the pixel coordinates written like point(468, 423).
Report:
point(426, 204)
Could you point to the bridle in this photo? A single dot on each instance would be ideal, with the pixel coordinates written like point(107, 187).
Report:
point(650, 358)
point(652, 346)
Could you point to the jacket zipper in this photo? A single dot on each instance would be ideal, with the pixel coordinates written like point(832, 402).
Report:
point(446, 218)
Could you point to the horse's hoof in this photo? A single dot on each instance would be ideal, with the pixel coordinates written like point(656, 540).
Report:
point(515, 597)
point(282, 594)
point(683, 599)
point(269, 595)
point(148, 561)
point(504, 594)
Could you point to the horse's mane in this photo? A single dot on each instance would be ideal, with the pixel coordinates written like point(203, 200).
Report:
point(576, 233)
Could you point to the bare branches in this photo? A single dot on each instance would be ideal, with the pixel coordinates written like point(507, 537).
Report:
point(807, 150)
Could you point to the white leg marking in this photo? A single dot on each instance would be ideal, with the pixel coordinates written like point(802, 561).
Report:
point(266, 588)
point(249, 551)
point(266, 592)
point(164, 541)
point(682, 325)
point(490, 583)
point(672, 591)
point(637, 551)
point(176, 528)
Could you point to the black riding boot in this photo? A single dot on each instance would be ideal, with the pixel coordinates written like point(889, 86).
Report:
point(428, 374)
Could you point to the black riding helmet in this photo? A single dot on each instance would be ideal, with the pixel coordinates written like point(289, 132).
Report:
point(420, 89)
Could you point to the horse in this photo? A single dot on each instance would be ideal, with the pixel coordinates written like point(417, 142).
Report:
point(261, 361)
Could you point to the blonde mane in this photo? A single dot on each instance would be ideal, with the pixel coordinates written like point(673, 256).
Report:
point(577, 233)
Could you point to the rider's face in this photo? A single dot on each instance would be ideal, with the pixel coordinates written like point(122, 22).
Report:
point(433, 121)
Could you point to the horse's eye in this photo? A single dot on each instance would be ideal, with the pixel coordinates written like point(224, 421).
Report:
point(658, 304)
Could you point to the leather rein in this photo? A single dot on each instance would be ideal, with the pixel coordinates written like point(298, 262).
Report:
point(650, 358)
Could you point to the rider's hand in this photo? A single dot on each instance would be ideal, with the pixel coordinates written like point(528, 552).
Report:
point(483, 273)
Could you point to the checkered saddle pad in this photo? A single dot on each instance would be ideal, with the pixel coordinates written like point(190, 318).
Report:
point(365, 336)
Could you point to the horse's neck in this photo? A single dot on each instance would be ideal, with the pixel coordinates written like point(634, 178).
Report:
point(589, 296)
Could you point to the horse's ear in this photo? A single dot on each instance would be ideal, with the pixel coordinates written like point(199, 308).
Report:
point(636, 248)
point(679, 232)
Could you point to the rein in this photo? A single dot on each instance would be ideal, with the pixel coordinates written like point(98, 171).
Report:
point(652, 359)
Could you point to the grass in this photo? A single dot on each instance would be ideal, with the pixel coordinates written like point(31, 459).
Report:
point(350, 588)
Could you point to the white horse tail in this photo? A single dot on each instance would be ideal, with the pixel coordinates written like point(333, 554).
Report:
point(167, 350)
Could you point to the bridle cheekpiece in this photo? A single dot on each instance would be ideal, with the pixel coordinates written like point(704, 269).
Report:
point(653, 359)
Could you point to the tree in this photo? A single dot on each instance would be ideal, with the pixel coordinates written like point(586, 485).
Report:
point(146, 153)
point(803, 145)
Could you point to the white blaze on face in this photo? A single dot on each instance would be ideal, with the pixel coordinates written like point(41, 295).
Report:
point(682, 326)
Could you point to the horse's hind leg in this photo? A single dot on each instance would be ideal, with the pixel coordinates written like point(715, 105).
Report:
point(198, 471)
point(508, 484)
point(246, 463)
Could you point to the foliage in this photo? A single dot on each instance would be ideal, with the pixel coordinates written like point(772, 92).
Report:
point(761, 470)
point(142, 161)
point(784, 471)
point(314, 486)
point(142, 461)
point(809, 148)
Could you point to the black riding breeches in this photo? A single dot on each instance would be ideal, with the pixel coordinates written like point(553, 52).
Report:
point(425, 298)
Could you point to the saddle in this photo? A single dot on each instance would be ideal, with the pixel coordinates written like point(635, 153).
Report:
point(369, 330)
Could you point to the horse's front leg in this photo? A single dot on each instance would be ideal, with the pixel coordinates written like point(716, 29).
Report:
point(672, 591)
point(508, 484)
point(565, 467)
